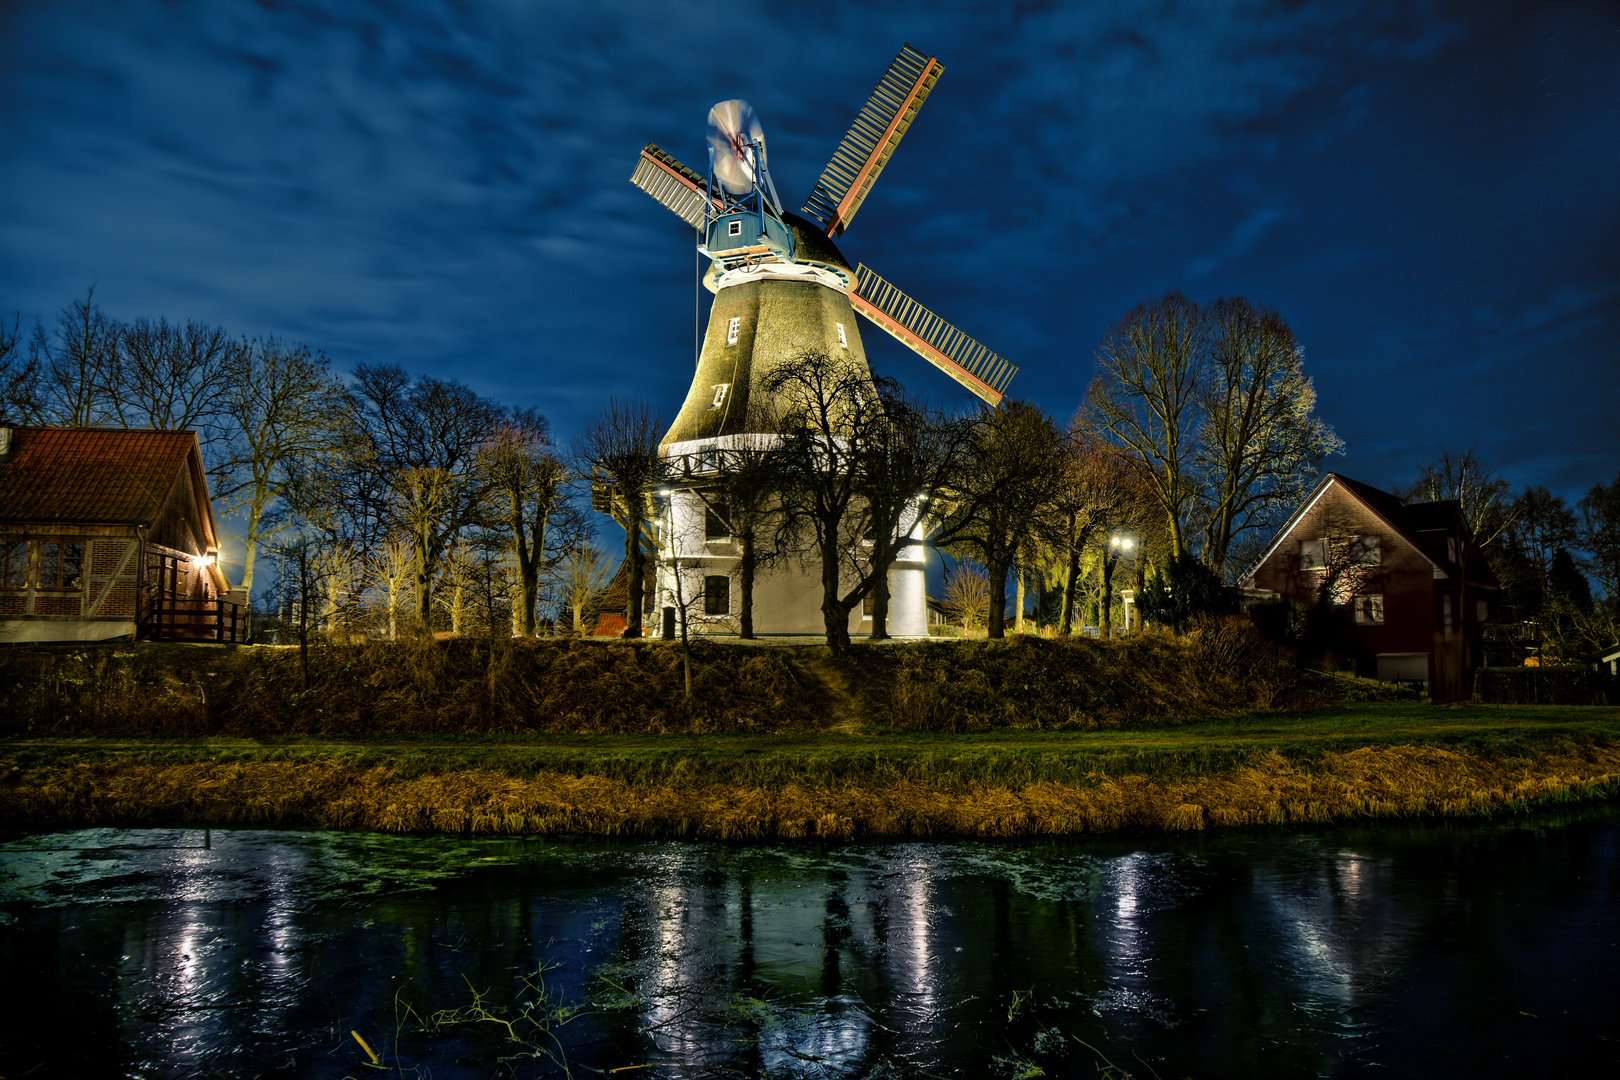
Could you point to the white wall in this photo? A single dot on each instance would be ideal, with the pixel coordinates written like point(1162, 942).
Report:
point(787, 597)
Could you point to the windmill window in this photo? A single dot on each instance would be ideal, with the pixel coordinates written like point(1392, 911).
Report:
point(719, 395)
point(842, 340)
point(714, 523)
point(14, 564)
point(717, 595)
point(734, 227)
point(1370, 610)
point(731, 329)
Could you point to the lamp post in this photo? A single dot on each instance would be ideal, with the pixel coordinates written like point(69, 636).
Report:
point(1118, 547)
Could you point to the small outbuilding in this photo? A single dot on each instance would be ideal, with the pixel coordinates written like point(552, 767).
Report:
point(106, 535)
point(1395, 592)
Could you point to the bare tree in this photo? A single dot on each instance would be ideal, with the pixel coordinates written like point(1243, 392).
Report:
point(19, 377)
point(170, 377)
point(531, 486)
point(423, 442)
point(278, 406)
point(1213, 408)
point(1599, 537)
point(77, 364)
point(1260, 444)
point(905, 461)
point(1478, 490)
point(619, 451)
point(582, 575)
point(826, 407)
point(1011, 472)
point(1542, 524)
point(967, 596)
point(1146, 398)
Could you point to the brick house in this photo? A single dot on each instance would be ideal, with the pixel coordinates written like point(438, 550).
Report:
point(108, 535)
point(1397, 592)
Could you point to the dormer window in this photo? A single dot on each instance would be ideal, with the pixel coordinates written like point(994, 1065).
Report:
point(731, 329)
point(842, 340)
point(719, 395)
point(734, 227)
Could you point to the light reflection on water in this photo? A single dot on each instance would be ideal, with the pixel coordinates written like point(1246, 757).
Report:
point(1405, 950)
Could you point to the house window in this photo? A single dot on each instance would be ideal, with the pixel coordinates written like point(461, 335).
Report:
point(14, 564)
point(842, 340)
point(1370, 610)
point(732, 328)
point(734, 227)
point(866, 605)
point(60, 565)
point(1312, 554)
point(719, 395)
point(1451, 548)
point(1482, 610)
point(717, 595)
point(714, 524)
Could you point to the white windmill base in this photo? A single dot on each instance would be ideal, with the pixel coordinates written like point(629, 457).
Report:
point(787, 597)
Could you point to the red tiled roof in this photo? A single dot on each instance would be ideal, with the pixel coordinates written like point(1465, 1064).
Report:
point(91, 475)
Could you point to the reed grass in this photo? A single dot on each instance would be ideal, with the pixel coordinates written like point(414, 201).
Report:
point(922, 798)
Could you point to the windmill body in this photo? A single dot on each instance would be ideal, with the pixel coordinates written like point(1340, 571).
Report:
point(782, 287)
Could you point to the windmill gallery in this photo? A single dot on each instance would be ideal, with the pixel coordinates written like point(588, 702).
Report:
point(783, 291)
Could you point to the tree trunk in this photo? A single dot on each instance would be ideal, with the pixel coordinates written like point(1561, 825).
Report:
point(1105, 617)
point(1018, 620)
point(634, 559)
point(746, 584)
point(882, 559)
point(1070, 580)
point(834, 615)
point(996, 629)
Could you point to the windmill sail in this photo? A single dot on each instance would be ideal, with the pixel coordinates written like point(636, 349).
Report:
point(673, 184)
point(931, 337)
point(877, 130)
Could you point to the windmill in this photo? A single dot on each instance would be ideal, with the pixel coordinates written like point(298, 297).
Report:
point(782, 286)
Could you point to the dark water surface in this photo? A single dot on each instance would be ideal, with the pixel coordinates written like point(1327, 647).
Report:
point(1430, 949)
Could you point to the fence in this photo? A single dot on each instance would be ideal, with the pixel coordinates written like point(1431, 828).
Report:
point(169, 619)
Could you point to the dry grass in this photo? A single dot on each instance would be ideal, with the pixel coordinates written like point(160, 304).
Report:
point(501, 686)
point(1375, 782)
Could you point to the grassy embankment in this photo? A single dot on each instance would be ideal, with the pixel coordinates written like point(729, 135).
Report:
point(1026, 738)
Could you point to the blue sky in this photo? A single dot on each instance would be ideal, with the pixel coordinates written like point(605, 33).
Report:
point(1430, 194)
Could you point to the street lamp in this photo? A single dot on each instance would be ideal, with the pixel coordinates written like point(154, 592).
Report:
point(1118, 546)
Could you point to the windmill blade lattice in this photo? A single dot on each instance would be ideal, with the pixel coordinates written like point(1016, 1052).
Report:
point(871, 140)
point(673, 184)
point(981, 371)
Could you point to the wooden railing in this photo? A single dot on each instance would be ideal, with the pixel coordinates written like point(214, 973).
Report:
point(169, 619)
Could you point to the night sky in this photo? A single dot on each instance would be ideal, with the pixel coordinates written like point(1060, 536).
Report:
point(1429, 195)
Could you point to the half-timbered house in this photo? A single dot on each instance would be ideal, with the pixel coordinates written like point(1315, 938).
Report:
point(108, 534)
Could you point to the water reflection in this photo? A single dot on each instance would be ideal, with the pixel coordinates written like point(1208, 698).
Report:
point(1321, 953)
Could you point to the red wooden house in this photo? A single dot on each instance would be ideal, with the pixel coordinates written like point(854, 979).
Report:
point(108, 535)
point(1402, 591)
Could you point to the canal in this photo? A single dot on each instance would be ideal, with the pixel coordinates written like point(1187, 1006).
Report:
point(1429, 948)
